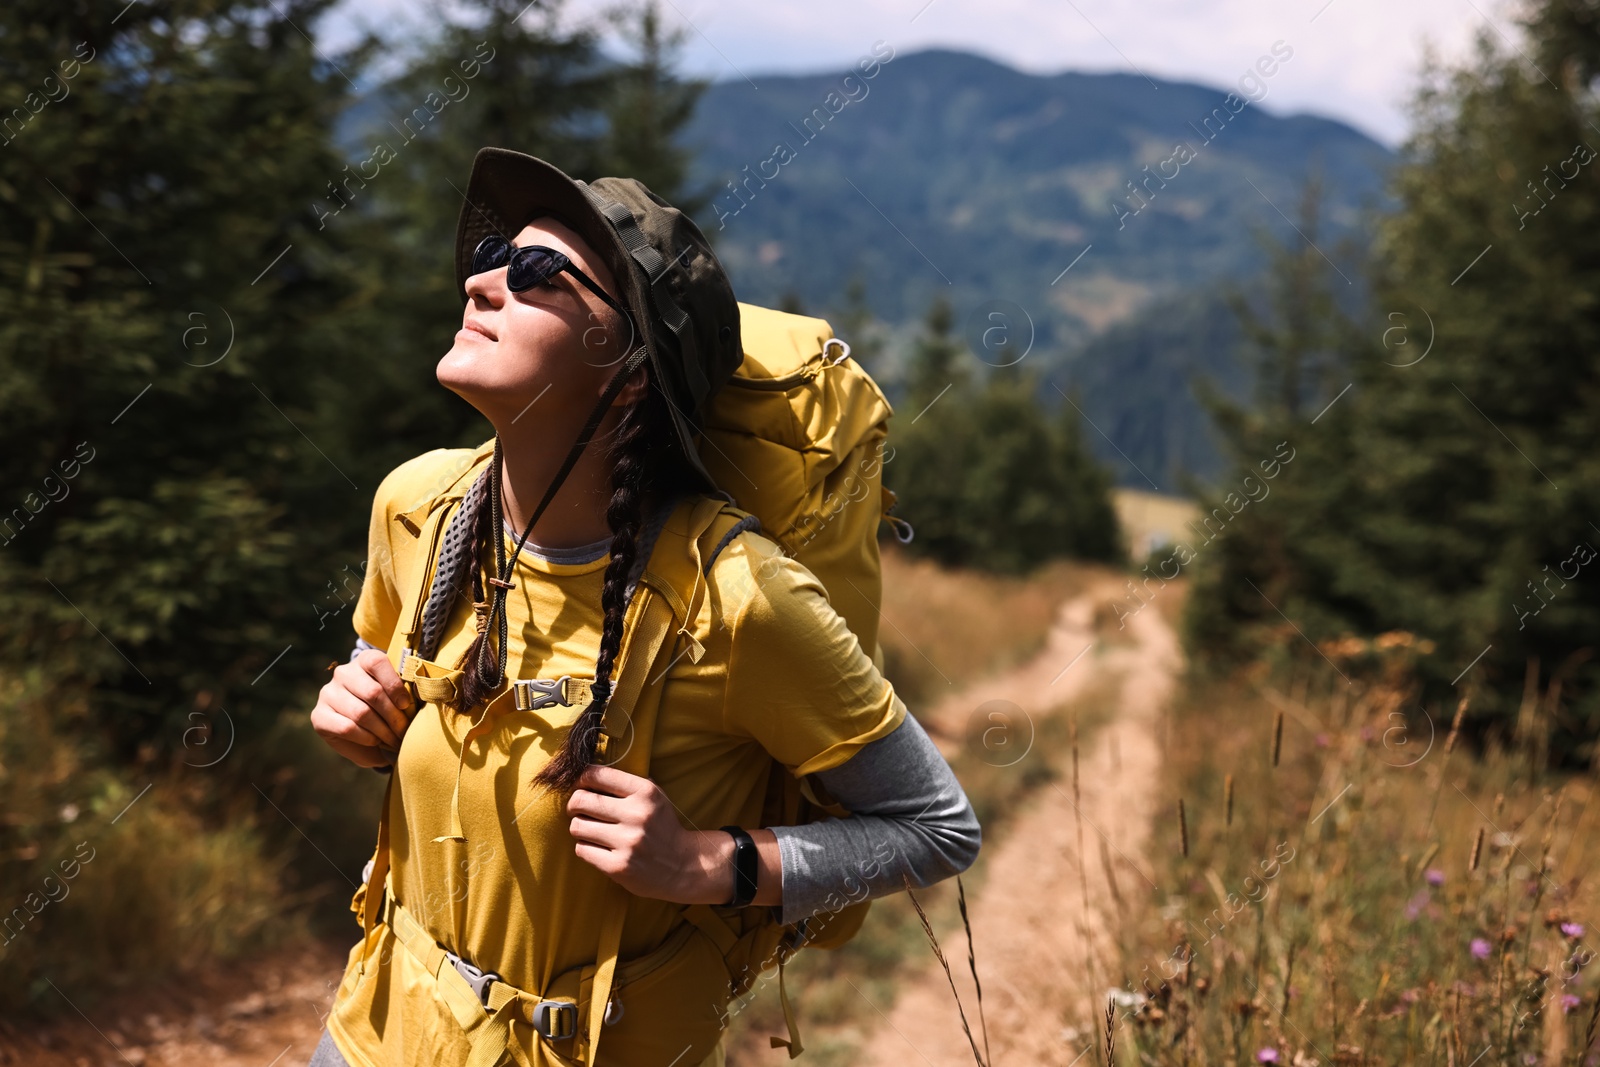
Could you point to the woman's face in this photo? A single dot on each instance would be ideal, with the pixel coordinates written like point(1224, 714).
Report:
point(545, 353)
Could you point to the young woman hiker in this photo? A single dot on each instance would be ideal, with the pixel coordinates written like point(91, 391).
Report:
point(509, 840)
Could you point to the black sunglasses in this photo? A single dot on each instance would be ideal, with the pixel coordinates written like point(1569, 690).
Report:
point(532, 264)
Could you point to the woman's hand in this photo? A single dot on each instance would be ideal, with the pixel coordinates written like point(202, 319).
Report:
point(627, 827)
point(361, 712)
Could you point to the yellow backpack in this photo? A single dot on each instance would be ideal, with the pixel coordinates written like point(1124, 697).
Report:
point(796, 437)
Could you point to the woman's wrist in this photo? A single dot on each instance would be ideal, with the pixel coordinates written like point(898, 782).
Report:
point(710, 872)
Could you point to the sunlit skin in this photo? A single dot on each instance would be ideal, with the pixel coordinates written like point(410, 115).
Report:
point(534, 363)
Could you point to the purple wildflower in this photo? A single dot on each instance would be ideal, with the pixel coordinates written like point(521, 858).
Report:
point(1569, 1003)
point(1480, 949)
point(1573, 930)
point(1434, 877)
point(1267, 1055)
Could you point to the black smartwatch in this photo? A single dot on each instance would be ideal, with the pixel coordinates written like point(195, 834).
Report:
point(746, 863)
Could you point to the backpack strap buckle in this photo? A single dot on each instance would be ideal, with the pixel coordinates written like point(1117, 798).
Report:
point(477, 978)
point(532, 694)
point(556, 1020)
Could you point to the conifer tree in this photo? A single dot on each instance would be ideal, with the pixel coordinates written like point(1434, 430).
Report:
point(176, 511)
point(1450, 494)
point(985, 474)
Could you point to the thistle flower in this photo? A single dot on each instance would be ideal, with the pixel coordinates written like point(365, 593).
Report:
point(1480, 948)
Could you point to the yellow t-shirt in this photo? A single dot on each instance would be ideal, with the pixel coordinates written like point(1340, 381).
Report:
point(781, 675)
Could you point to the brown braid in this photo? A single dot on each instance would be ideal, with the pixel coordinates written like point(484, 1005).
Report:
point(635, 471)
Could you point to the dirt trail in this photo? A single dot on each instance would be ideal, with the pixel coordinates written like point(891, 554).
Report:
point(1043, 975)
point(269, 1012)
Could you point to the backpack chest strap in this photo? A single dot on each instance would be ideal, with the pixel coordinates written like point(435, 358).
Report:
point(532, 694)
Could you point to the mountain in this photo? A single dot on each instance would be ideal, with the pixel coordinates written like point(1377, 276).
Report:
point(947, 172)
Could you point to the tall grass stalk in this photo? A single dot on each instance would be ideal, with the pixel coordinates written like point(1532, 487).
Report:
point(1428, 911)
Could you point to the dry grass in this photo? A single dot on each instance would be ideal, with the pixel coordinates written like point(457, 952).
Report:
point(944, 628)
point(1377, 899)
point(105, 883)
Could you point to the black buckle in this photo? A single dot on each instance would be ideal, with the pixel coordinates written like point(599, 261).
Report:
point(478, 979)
point(556, 1020)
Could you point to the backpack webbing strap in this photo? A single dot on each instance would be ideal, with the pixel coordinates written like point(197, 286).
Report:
point(372, 901)
point(792, 1043)
point(646, 656)
point(647, 643)
point(433, 683)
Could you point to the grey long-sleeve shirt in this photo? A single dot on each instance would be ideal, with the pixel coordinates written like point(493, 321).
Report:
point(909, 817)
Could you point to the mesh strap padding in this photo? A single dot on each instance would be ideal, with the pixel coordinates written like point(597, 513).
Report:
point(451, 573)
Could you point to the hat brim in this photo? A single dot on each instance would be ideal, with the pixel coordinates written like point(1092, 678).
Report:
point(506, 191)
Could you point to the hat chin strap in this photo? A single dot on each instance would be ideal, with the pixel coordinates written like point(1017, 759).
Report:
point(502, 563)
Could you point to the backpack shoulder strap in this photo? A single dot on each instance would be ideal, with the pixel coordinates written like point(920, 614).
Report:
point(430, 495)
point(670, 589)
point(678, 575)
point(658, 611)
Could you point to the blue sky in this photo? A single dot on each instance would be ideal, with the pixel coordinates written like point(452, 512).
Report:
point(1354, 60)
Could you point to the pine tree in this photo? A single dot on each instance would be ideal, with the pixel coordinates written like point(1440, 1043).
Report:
point(938, 362)
point(649, 105)
point(185, 522)
point(1454, 484)
point(984, 473)
point(1299, 344)
point(164, 339)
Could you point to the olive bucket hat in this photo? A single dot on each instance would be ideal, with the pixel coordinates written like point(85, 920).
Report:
point(682, 305)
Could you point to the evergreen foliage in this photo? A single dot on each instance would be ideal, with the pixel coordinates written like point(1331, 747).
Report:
point(1451, 494)
point(988, 476)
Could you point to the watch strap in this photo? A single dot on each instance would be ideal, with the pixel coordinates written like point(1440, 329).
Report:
point(746, 864)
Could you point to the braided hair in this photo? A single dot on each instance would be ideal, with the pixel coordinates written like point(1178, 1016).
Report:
point(648, 468)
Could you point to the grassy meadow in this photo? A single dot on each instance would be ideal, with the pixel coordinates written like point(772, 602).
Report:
point(1350, 881)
